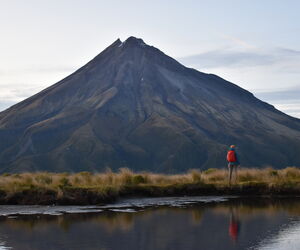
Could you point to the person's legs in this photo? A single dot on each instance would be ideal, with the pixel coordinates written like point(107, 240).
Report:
point(235, 173)
point(230, 168)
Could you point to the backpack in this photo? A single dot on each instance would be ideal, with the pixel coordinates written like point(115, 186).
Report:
point(231, 156)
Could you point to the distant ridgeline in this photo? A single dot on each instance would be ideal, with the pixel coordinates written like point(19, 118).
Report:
point(134, 106)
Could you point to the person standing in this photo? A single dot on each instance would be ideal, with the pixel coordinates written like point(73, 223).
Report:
point(233, 163)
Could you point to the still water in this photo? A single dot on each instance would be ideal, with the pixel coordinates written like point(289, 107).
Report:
point(156, 223)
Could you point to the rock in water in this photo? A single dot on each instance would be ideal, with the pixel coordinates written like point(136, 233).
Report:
point(134, 106)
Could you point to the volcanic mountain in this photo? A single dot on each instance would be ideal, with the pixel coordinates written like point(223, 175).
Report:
point(134, 106)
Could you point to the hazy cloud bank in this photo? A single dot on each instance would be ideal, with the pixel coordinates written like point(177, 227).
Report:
point(286, 100)
point(272, 74)
point(230, 57)
point(34, 79)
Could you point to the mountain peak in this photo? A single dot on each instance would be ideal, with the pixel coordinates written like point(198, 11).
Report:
point(134, 41)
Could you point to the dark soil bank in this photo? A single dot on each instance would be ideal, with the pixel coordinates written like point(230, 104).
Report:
point(89, 196)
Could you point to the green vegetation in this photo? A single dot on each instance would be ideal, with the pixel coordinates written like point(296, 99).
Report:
point(88, 188)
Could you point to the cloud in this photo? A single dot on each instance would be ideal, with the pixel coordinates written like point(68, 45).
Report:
point(227, 58)
point(17, 84)
point(272, 74)
point(286, 100)
point(281, 94)
point(6, 104)
point(231, 57)
point(292, 109)
point(37, 69)
point(238, 41)
point(11, 94)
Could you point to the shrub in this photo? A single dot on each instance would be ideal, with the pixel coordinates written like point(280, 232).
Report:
point(64, 182)
point(85, 174)
point(210, 170)
point(138, 179)
point(16, 175)
point(273, 173)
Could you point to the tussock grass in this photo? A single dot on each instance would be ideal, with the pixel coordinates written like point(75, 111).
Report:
point(125, 177)
point(66, 186)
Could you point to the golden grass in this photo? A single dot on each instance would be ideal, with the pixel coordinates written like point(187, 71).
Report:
point(113, 183)
point(125, 177)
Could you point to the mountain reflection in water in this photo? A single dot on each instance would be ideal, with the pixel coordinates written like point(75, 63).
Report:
point(234, 224)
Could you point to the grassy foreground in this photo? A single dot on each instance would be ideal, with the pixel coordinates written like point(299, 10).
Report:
point(86, 188)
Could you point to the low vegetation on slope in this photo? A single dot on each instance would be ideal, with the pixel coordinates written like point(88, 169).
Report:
point(88, 188)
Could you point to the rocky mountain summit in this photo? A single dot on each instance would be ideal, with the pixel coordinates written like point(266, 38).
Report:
point(134, 106)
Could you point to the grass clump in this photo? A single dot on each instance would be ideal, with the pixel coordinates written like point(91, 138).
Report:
point(195, 175)
point(138, 179)
point(292, 173)
point(210, 170)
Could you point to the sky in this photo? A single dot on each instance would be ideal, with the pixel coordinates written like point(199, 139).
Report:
point(254, 44)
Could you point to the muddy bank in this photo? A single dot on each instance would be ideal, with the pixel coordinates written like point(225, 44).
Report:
point(91, 196)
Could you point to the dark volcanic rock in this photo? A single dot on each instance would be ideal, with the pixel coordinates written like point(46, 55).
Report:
point(134, 106)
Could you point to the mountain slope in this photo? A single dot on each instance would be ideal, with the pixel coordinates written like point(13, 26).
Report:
point(134, 106)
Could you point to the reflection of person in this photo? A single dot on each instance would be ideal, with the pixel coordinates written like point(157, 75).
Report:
point(234, 226)
point(233, 162)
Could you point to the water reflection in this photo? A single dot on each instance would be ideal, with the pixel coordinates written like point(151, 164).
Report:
point(236, 224)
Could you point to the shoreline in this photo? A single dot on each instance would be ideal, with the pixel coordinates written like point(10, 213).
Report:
point(91, 196)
